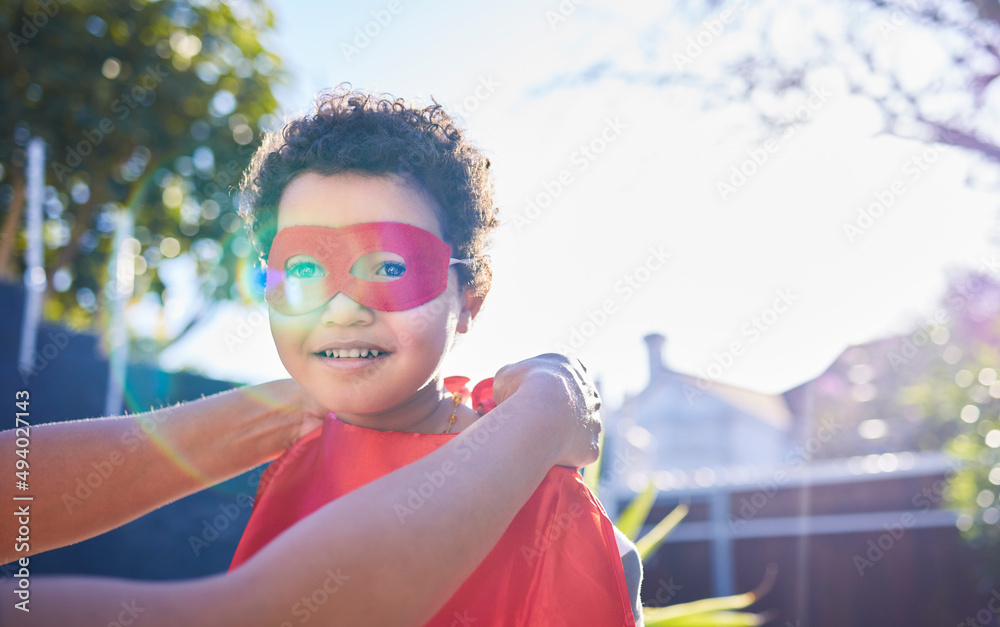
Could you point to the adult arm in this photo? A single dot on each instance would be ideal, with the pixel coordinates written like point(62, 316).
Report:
point(90, 476)
point(356, 561)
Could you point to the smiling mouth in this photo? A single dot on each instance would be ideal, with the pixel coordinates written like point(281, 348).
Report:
point(352, 353)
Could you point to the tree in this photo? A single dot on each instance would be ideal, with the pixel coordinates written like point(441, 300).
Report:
point(899, 393)
point(935, 388)
point(930, 67)
point(948, 101)
point(927, 69)
point(153, 106)
point(966, 391)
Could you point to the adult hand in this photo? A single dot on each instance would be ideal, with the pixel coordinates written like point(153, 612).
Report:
point(305, 414)
point(549, 416)
point(561, 387)
point(218, 437)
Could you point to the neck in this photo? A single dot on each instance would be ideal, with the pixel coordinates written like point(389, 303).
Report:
point(426, 411)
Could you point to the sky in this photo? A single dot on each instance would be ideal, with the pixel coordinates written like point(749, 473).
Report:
point(630, 209)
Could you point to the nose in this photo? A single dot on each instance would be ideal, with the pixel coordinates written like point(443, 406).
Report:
point(342, 310)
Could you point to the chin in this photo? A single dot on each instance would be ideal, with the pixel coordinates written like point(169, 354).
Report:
point(350, 399)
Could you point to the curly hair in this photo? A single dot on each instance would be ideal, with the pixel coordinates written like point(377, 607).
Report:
point(354, 131)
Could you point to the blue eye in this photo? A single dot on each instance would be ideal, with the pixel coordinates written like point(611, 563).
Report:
point(391, 269)
point(379, 266)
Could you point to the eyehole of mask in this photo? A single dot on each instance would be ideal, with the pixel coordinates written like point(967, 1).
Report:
point(303, 270)
point(379, 266)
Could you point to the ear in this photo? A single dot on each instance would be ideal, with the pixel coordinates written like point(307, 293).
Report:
point(470, 308)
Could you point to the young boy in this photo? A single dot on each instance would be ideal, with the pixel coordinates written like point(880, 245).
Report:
point(372, 218)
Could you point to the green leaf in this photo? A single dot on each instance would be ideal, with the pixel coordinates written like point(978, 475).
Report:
point(631, 520)
point(709, 619)
point(648, 543)
point(655, 616)
point(123, 114)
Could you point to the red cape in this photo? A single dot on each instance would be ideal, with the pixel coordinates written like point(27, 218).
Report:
point(557, 563)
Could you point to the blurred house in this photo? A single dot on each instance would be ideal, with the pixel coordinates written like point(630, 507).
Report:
point(680, 425)
point(857, 537)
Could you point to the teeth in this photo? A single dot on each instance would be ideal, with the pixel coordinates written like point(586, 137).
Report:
point(368, 353)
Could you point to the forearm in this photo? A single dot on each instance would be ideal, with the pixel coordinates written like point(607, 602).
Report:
point(373, 565)
point(404, 566)
point(90, 476)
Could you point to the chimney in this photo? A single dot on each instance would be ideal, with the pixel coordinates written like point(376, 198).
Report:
point(654, 343)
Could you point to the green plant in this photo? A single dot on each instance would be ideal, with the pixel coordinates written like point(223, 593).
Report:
point(717, 611)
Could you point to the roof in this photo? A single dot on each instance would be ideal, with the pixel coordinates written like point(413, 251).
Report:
point(771, 409)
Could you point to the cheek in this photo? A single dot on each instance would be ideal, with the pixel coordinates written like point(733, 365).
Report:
point(288, 334)
point(441, 314)
point(430, 324)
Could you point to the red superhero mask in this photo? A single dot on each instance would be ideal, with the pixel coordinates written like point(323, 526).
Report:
point(388, 266)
